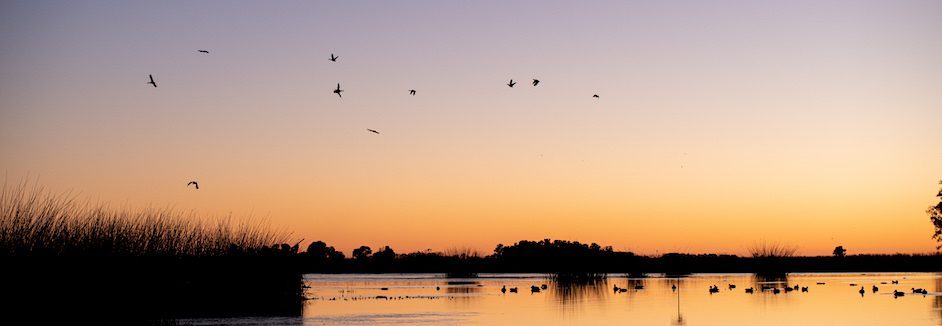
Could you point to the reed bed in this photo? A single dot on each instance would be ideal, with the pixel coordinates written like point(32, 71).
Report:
point(35, 222)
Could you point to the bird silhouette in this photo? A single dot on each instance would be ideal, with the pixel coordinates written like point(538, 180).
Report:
point(197, 185)
point(203, 51)
point(338, 90)
point(152, 82)
point(373, 131)
point(412, 92)
point(511, 83)
point(536, 81)
point(595, 96)
point(333, 57)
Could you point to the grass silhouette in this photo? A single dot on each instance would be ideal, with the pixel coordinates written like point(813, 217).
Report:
point(34, 222)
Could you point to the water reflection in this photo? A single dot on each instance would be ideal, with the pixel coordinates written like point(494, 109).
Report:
point(462, 291)
point(938, 298)
point(573, 291)
point(635, 283)
point(677, 286)
point(651, 300)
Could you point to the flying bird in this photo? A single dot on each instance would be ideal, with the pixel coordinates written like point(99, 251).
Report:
point(333, 57)
point(511, 83)
point(203, 51)
point(595, 96)
point(536, 81)
point(412, 92)
point(338, 90)
point(152, 82)
point(373, 131)
point(194, 184)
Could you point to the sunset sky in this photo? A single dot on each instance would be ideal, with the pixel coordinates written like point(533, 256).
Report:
point(720, 124)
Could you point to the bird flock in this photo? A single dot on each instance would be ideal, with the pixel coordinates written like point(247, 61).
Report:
point(339, 91)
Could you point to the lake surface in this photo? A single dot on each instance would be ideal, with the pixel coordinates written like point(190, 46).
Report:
point(410, 299)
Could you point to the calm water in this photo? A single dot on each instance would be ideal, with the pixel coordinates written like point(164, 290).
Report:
point(410, 299)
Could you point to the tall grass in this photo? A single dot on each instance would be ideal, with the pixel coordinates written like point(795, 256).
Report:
point(34, 222)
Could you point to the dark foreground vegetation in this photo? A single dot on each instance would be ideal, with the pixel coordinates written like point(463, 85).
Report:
point(63, 260)
point(92, 263)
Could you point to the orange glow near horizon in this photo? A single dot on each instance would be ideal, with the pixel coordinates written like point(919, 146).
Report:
point(717, 126)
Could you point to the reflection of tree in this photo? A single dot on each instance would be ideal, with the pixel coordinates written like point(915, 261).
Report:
point(938, 299)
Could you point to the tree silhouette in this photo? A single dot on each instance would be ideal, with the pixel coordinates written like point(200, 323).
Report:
point(935, 215)
point(385, 254)
point(362, 253)
point(839, 251)
point(322, 253)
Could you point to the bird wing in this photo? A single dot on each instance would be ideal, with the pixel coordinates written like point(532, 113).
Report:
point(338, 86)
point(151, 78)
